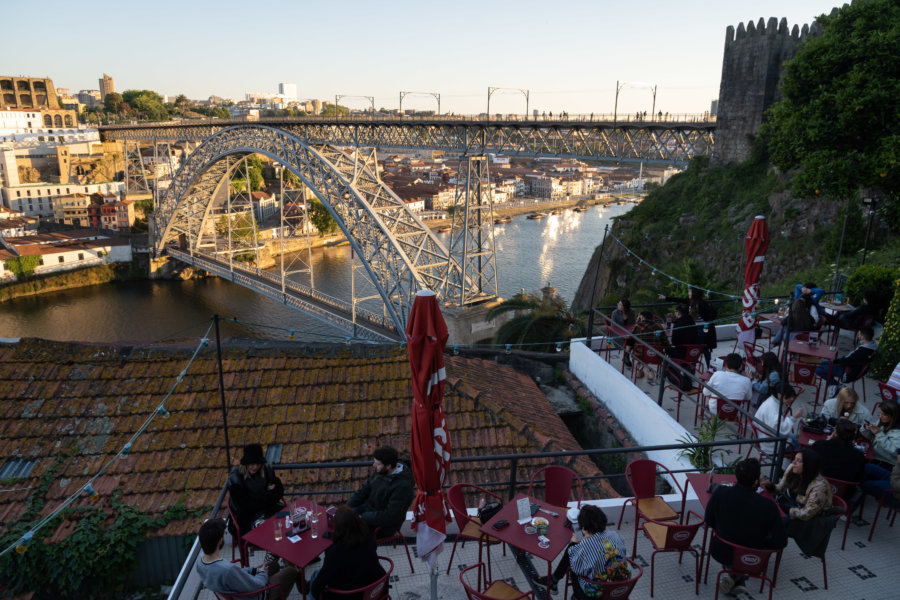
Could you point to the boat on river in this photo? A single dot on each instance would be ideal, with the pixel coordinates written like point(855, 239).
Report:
point(580, 209)
point(556, 211)
point(502, 220)
point(443, 230)
point(536, 216)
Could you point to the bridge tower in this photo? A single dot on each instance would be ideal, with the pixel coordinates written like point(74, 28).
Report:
point(472, 235)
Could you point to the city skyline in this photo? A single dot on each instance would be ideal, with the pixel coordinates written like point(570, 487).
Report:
point(569, 56)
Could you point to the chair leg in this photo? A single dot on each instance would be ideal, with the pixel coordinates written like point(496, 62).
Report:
point(824, 573)
point(622, 514)
point(412, 569)
point(452, 553)
point(875, 521)
point(652, 570)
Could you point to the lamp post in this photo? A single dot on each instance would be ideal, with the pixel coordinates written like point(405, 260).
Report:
point(871, 203)
point(434, 95)
point(522, 91)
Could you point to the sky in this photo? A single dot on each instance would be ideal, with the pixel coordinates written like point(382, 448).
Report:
point(568, 54)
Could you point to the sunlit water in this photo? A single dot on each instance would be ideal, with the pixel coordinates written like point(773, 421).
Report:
point(530, 254)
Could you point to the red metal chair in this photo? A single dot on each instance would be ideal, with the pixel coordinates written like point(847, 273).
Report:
point(753, 355)
point(491, 590)
point(641, 477)
point(887, 393)
point(237, 541)
point(750, 562)
point(468, 525)
point(271, 588)
point(377, 590)
point(860, 376)
point(558, 481)
point(728, 411)
point(618, 590)
point(650, 358)
point(693, 353)
point(886, 501)
point(393, 539)
point(674, 537)
point(672, 373)
point(837, 502)
point(844, 490)
point(803, 374)
point(756, 434)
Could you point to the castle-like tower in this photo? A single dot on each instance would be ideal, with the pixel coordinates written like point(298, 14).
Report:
point(752, 67)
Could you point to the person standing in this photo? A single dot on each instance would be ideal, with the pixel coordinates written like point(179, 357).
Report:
point(741, 516)
point(383, 500)
point(225, 577)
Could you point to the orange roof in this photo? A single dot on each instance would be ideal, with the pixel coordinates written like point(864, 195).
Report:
point(80, 403)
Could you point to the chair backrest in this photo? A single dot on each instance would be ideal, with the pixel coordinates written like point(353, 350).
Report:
point(376, 590)
point(726, 411)
point(641, 477)
point(558, 481)
point(615, 590)
point(856, 373)
point(888, 393)
point(614, 330)
point(238, 538)
point(679, 536)
point(749, 561)
point(693, 352)
point(476, 593)
point(841, 488)
point(803, 373)
point(457, 499)
point(651, 356)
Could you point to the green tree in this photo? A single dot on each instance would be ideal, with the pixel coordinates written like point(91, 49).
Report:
point(540, 321)
point(146, 103)
point(888, 353)
point(838, 123)
point(321, 218)
point(332, 110)
point(113, 102)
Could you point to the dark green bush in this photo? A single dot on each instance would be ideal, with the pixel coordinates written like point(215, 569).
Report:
point(876, 278)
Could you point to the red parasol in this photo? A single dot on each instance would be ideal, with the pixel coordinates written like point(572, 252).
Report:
point(426, 336)
point(755, 244)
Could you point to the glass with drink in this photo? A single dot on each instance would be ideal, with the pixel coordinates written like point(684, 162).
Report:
point(279, 530)
point(314, 525)
point(298, 518)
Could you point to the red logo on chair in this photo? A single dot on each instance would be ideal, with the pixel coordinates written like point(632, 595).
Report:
point(751, 560)
point(681, 536)
point(727, 408)
point(805, 372)
point(622, 591)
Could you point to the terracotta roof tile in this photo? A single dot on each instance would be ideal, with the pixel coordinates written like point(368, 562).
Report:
point(82, 402)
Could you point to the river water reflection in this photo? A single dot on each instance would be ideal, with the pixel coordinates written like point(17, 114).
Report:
point(530, 254)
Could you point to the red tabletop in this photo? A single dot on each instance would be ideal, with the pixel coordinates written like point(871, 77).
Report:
point(823, 350)
point(774, 317)
point(514, 534)
point(808, 438)
point(700, 483)
point(301, 553)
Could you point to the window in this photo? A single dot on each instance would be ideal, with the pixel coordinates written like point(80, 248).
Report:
point(40, 261)
point(62, 259)
point(28, 192)
point(18, 194)
point(81, 256)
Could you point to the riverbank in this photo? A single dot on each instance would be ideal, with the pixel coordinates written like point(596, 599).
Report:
point(72, 279)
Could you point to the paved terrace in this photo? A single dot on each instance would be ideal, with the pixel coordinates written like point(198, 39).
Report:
point(862, 571)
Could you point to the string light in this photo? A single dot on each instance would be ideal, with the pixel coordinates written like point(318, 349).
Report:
point(123, 453)
point(455, 350)
point(163, 412)
point(22, 546)
point(90, 491)
point(559, 346)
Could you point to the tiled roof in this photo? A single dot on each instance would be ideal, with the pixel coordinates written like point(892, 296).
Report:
point(82, 402)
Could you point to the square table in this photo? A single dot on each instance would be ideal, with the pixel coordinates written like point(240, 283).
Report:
point(822, 351)
point(300, 553)
point(808, 438)
point(514, 534)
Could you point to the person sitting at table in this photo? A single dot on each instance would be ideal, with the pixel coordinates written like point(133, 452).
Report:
point(847, 367)
point(885, 435)
point(840, 460)
point(600, 555)
point(814, 292)
point(225, 577)
point(845, 406)
point(623, 316)
point(800, 320)
point(741, 516)
point(878, 479)
point(701, 311)
point(351, 562)
point(255, 493)
point(730, 382)
point(649, 330)
point(383, 500)
point(783, 396)
point(806, 493)
point(861, 315)
point(770, 376)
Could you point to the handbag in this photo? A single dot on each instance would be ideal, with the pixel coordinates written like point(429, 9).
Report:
point(487, 512)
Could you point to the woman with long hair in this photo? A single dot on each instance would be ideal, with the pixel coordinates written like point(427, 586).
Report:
point(845, 406)
point(704, 314)
point(885, 435)
point(808, 489)
point(351, 562)
point(255, 493)
point(768, 379)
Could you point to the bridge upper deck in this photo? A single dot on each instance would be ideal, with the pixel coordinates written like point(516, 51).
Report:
point(671, 140)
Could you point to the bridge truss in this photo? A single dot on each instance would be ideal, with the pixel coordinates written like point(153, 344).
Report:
point(651, 142)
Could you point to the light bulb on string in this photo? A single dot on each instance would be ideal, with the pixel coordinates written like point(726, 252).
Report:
point(559, 346)
point(90, 491)
point(455, 350)
point(123, 454)
point(161, 411)
point(291, 334)
point(23, 544)
point(205, 342)
point(508, 348)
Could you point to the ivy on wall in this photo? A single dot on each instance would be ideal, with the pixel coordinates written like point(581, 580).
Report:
point(888, 354)
point(22, 266)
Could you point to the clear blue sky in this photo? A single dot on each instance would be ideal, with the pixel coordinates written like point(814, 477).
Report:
point(569, 54)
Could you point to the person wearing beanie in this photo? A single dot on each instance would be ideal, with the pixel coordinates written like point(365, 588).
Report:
point(255, 493)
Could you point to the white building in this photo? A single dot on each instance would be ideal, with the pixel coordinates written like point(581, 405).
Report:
point(36, 199)
point(63, 251)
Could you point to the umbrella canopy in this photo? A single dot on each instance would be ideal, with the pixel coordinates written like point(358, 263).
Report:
point(426, 336)
point(755, 245)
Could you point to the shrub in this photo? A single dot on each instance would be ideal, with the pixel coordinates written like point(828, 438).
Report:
point(876, 278)
point(888, 353)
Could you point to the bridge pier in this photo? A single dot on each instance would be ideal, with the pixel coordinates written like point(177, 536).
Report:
point(469, 324)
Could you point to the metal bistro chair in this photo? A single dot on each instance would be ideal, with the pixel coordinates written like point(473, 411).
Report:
point(728, 411)
point(887, 501)
point(693, 353)
point(377, 590)
point(671, 374)
point(468, 525)
point(641, 477)
point(491, 590)
point(752, 562)
point(558, 482)
point(887, 393)
point(666, 536)
point(274, 588)
point(237, 541)
point(804, 375)
point(844, 490)
point(609, 590)
point(393, 539)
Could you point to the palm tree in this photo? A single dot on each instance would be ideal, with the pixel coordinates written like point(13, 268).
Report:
point(539, 322)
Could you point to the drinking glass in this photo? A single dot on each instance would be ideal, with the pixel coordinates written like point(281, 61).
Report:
point(296, 519)
point(314, 525)
point(279, 530)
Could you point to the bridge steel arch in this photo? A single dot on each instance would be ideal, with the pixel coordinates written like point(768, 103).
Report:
point(399, 252)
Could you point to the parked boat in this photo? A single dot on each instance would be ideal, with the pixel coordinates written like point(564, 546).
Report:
point(580, 209)
point(556, 211)
point(443, 230)
point(537, 215)
point(502, 220)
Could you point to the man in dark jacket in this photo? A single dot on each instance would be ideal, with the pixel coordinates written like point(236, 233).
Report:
point(384, 499)
point(741, 516)
point(840, 459)
point(846, 368)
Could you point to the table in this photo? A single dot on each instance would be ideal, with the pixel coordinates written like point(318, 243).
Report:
point(822, 351)
point(301, 553)
point(808, 438)
point(514, 534)
point(838, 308)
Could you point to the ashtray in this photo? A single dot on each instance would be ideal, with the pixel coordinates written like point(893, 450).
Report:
point(530, 529)
point(572, 514)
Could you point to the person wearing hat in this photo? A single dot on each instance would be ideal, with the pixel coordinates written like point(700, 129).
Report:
point(254, 491)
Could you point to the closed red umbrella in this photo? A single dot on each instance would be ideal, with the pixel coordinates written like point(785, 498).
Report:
point(755, 245)
point(426, 336)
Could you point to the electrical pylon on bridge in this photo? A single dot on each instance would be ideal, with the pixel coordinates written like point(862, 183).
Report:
point(399, 253)
point(135, 174)
point(472, 233)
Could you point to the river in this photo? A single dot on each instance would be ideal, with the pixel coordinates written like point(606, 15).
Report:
point(530, 254)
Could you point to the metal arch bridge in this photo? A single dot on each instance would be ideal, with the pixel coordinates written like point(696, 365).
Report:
point(664, 142)
point(399, 253)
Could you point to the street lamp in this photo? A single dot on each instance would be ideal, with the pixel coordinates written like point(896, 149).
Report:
point(434, 95)
point(871, 203)
point(491, 91)
point(622, 84)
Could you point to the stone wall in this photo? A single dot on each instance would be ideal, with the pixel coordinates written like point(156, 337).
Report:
point(27, 92)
